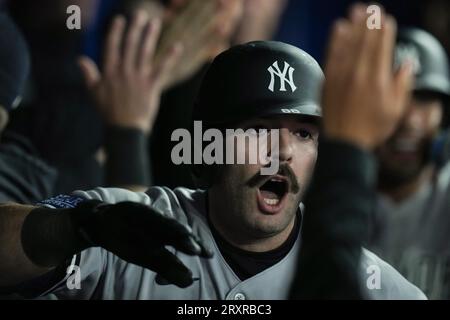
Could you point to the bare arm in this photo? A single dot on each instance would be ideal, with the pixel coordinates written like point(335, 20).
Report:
point(15, 266)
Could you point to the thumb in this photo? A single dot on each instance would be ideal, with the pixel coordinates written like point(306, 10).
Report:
point(90, 71)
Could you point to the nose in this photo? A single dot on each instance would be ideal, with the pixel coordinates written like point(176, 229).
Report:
point(286, 149)
point(413, 118)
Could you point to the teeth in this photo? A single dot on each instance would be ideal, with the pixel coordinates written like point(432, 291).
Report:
point(271, 202)
point(405, 145)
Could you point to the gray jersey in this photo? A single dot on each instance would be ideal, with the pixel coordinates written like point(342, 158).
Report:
point(103, 275)
point(414, 235)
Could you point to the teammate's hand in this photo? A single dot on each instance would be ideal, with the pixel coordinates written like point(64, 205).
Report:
point(363, 98)
point(260, 20)
point(128, 90)
point(203, 27)
point(138, 234)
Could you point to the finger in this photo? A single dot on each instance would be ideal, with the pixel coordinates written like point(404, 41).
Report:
point(113, 45)
point(162, 73)
point(172, 269)
point(367, 51)
point(358, 17)
point(132, 42)
point(230, 18)
point(90, 71)
point(365, 39)
point(149, 45)
point(187, 25)
point(157, 259)
point(191, 245)
point(337, 56)
point(139, 217)
point(169, 232)
point(204, 22)
point(206, 252)
point(177, 4)
point(386, 47)
point(171, 229)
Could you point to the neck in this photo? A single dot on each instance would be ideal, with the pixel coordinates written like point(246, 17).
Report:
point(239, 236)
point(401, 192)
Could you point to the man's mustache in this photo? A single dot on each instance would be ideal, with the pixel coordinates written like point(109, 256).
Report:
point(284, 170)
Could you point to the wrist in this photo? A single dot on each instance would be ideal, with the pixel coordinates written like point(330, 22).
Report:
point(142, 126)
point(49, 236)
point(86, 222)
point(128, 160)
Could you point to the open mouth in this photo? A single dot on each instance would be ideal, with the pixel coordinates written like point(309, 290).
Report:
point(272, 193)
point(405, 145)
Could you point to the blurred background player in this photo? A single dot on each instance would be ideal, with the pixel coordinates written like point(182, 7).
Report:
point(411, 222)
point(24, 178)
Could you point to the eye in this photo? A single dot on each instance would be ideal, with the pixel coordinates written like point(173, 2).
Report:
point(304, 134)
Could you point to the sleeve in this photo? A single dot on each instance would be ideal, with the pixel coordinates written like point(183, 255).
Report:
point(337, 204)
point(392, 286)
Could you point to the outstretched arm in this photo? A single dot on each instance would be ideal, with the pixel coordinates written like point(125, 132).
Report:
point(35, 240)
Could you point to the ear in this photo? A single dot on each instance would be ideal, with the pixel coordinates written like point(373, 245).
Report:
point(4, 118)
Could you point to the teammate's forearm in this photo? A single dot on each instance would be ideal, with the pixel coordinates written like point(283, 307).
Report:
point(34, 240)
point(15, 265)
point(335, 225)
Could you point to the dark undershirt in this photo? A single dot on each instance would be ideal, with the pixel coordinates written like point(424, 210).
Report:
point(246, 264)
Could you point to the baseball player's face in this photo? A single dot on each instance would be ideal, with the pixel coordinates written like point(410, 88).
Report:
point(406, 153)
point(258, 206)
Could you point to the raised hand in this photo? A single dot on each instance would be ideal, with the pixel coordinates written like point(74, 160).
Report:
point(363, 98)
point(128, 89)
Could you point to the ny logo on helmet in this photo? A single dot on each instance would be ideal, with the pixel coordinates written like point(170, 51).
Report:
point(405, 52)
point(274, 70)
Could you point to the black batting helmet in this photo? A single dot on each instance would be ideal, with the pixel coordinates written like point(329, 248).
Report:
point(259, 78)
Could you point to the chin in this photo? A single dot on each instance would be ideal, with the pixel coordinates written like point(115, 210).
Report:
point(275, 223)
point(393, 176)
